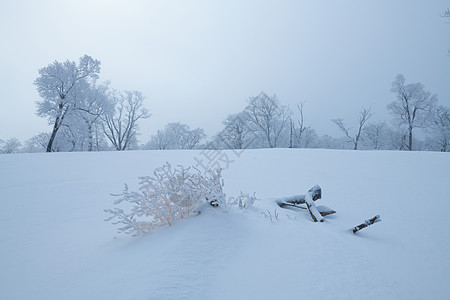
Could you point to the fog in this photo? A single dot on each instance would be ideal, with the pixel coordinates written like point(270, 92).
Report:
point(198, 61)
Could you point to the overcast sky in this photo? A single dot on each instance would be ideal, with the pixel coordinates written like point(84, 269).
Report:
point(198, 61)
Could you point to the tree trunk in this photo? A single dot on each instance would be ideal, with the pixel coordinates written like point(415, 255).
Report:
point(410, 138)
point(52, 137)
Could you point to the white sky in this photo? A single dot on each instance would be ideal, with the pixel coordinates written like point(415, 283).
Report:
point(198, 61)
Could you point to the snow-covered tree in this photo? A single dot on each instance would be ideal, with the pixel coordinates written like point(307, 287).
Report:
point(11, 145)
point(176, 136)
point(237, 133)
point(94, 103)
point(413, 107)
point(364, 115)
point(375, 135)
point(309, 138)
point(184, 137)
point(61, 85)
point(441, 128)
point(269, 118)
point(162, 140)
point(120, 124)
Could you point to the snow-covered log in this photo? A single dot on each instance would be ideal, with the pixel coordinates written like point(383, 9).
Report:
point(367, 223)
point(300, 199)
point(309, 199)
point(325, 211)
point(315, 193)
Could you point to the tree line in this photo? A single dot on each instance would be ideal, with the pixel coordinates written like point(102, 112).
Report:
point(86, 115)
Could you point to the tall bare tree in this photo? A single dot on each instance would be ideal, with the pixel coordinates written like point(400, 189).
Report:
point(364, 115)
point(120, 124)
point(413, 107)
point(297, 134)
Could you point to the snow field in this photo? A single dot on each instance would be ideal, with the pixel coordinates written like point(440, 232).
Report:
point(54, 243)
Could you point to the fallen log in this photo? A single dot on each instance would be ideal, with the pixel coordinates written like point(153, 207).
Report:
point(325, 211)
point(315, 214)
point(366, 223)
point(300, 199)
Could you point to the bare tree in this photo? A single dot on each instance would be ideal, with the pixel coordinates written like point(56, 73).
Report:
point(237, 133)
point(413, 107)
point(269, 118)
point(375, 136)
point(162, 140)
point(179, 136)
point(364, 115)
point(59, 84)
point(308, 137)
point(12, 145)
point(193, 138)
point(297, 133)
point(441, 128)
point(120, 124)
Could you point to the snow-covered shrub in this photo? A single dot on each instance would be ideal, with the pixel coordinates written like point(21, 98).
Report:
point(245, 200)
point(166, 196)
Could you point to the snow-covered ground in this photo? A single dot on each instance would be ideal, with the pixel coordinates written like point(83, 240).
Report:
point(55, 244)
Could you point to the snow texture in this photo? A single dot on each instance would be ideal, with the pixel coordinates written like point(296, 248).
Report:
point(55, 243)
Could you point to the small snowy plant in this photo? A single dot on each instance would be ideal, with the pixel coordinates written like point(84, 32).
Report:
point(170, 194)
point(245, 200)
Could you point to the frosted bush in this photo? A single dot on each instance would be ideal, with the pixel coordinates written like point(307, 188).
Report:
point(245, 200)
point(170, 194)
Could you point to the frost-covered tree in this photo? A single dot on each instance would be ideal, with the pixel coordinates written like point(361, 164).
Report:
point(441, 128)
point(120, 124)
point(94, 103)
point(12, 145)
point(399, 139)
point(375, 135)
point(176, 136)
point(309, 137)
point(61, 85)
point(237, 133)
point(40, 141)
point(269, 118)
point(193, 138)
point(364, 115)
point(413, 107)
point(162, 140)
